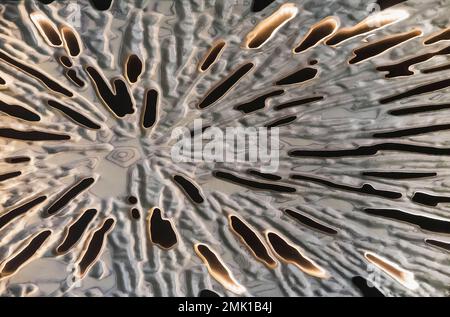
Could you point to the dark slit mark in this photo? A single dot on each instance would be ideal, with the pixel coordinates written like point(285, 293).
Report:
point(439, 244)
point(133, 68)
point(385, 4)
point(161, 230)
point(132, 200)
point(49, 83)
point(290, 254)
point(212, 55)
point(253, 184)
point(299, 76)
point(207, 292)
point(259, 5)
point(69, 195)
point(101, 5)
point(378, 47)
point(17, 159)
point(258, 102)
point(418, 109)
point(373, 149)
point(73, 76)
point(73, 115)
point(220, 90)
point(32, 135)
point(402, 68)
point(281, 122)
point(50, 32)
point(135, 214)
point(398, 175)
point(71, 41)
point(2, 81)
point(441, 36)
point(251, 240)
point(418, 91)
point(429, 200)
point(6, 176)
point(46, 1)
point(16, 212)
point(76, 231)
point(14, 264)
point(119, 100)
point(298, 102)
point(317, 34)
point(412, 131)
point(95, 246)
point(425, 223)
point(267, 176)
point(19, 112)
point(436, 69)
point(65, 61)
point(189, 189)
point(363, 285)
point(151, 108)
point(307, 221)
point(365, 189)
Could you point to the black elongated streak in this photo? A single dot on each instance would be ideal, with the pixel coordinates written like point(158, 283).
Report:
point(280, 122)
point(418, 109)
point(365, 189)
point(423, 89)
point(443, 35)
point(435, 69)
point(188, 187)
point(363, 285)
point(71, 41)
point(220, 90)
point(31, 135)
point(423, 222)
point(310, 222)
point(253, 184)
point(266, 176)
point(398, 175)
point(211, 56)
point(69, 195)
point(412, 131)
point(298, 77)
point(19, 112)
point(372, 150)
point(12, 265)
point(150, 108)
point(6, 176)
point(45, 79)
point(118, 100)
point(378, 47)
point(133, 68)
point(9, 216)
point(17, 159)
point(76, 231)
point(317, 34)
point(438, 243)
point(257, 103)
point(73, 76)
point(429, 200)
point(95, 246)
point(251, 240)
point(74, 115)
point(298, 102)
point(162, 230)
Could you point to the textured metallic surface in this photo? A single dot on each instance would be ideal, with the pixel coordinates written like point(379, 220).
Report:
point(172, 38)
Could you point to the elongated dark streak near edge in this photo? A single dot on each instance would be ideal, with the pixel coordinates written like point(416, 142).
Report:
point(426, 223)
point(412, 131)
point(307, 221)
point(253, 184)
point(49, 83)
point(16, 212)
point(70, 194)
point(372, 150)
point(298, 102)
point(418, 109)
point(266, 176)
point(258, 102)
point(6, 176)
point(74, 115)
point(189, 188)
point(19, 112)
point(439, 244)
point(429, 200)
point(365, 189)
point(398, 175)
point(150, 108)
point(280, 122)
point(32, 135)
point(418, 91)
point(76, 231)
point(27, 253)
point(95, 246)
point(219, 91)
point(298, 77)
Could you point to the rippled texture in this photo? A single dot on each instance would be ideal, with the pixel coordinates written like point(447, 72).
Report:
point(90, 93)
